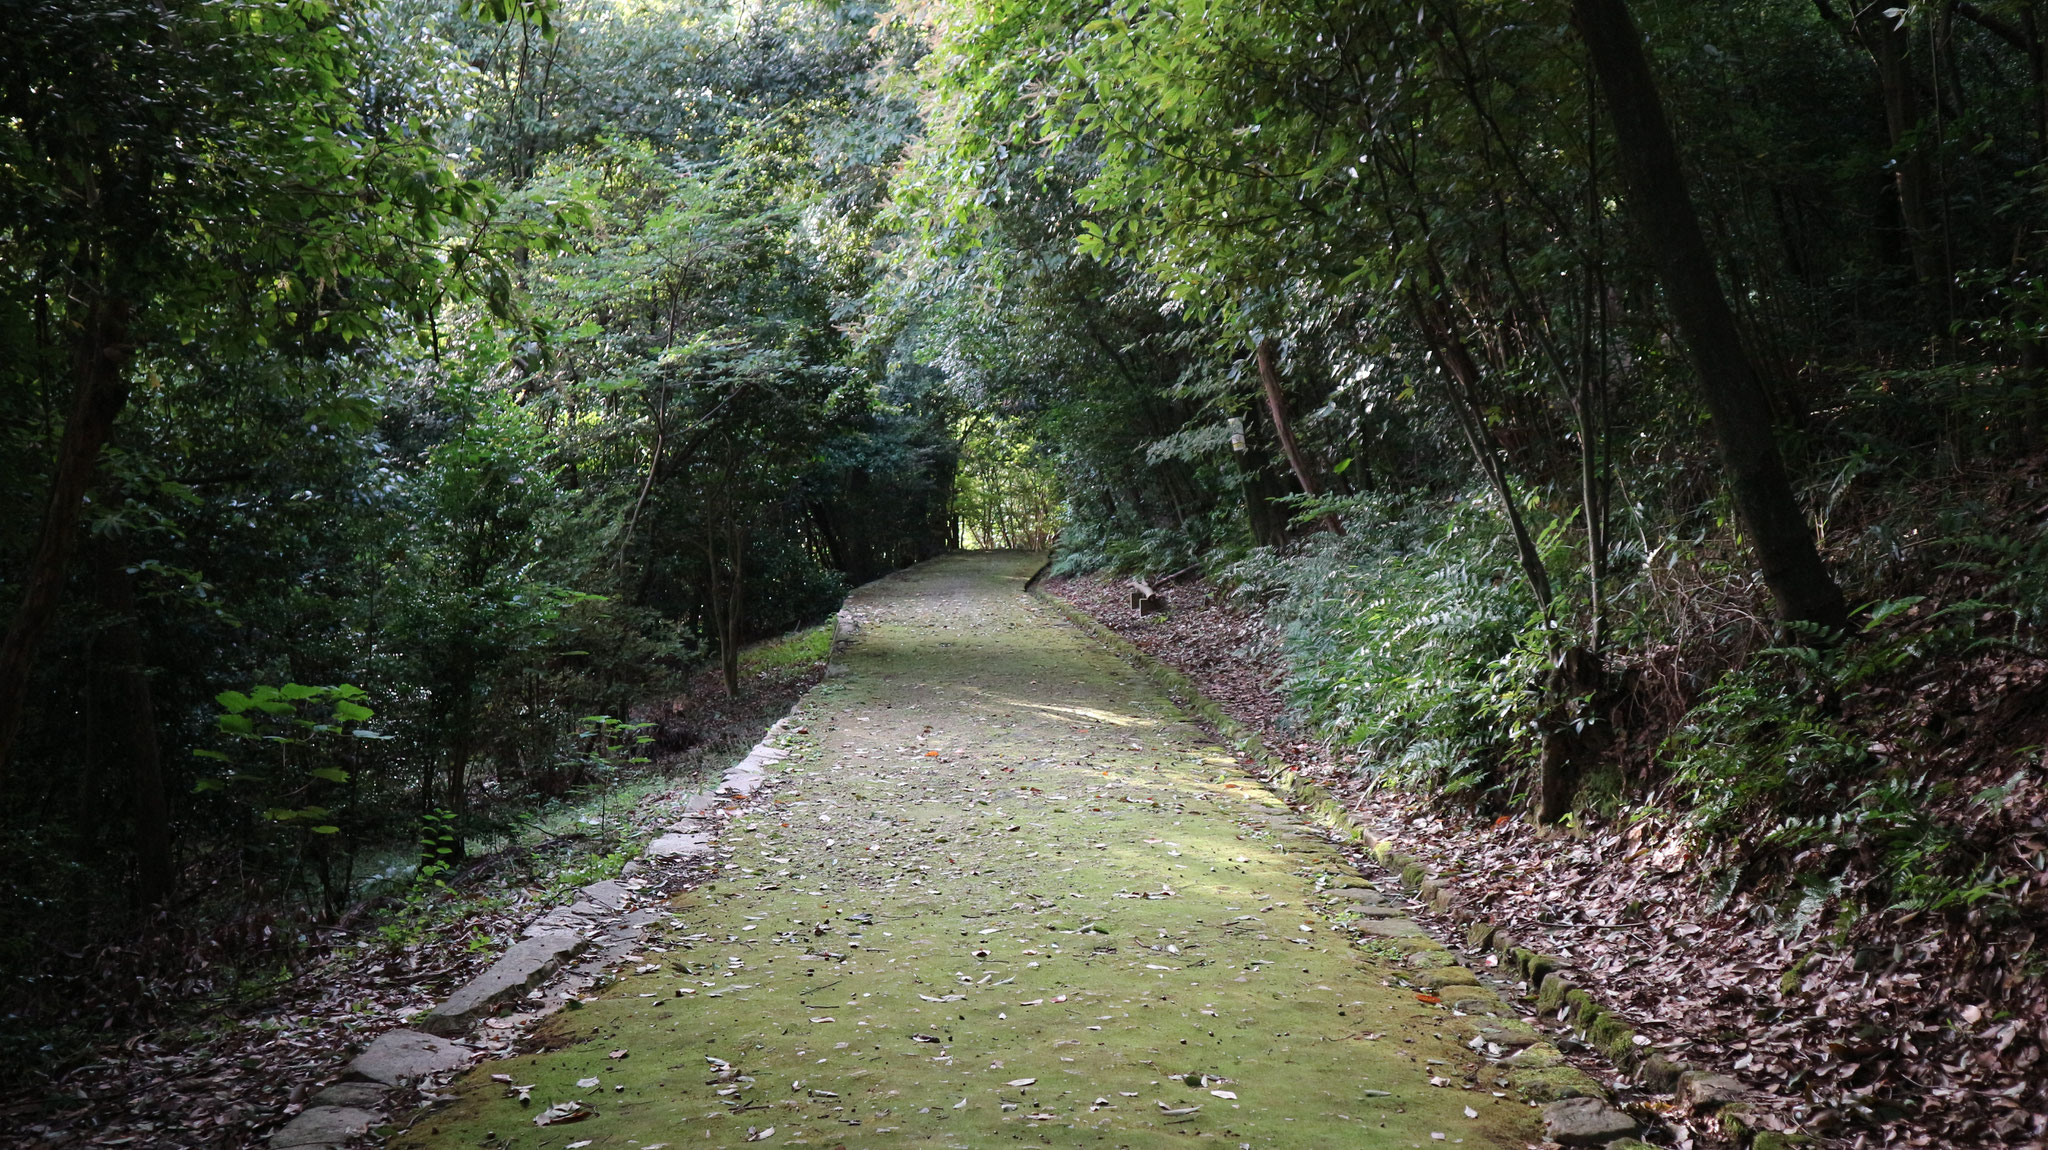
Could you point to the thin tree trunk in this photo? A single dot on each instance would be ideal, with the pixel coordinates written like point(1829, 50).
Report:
point(1663, 211)
point(1463, 372)
point(99, 392)
point(1571, 729)
point(461, 725)
point(1890, 46)
point(729, 639)
point(129, 716)
point(458, 795)
point(1283, 428)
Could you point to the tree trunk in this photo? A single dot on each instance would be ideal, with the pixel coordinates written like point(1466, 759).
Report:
point(128, 718)
point(99, 391)
point(1458, 365)
point(1263, 491)
point(1663, 211)
point(729, 638)
point(1283, 428)
point(458, 796)
point(1890, 46)
point(1572, 729)
point(460, 723)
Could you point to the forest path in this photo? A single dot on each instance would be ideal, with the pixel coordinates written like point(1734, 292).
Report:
point(1002, 891)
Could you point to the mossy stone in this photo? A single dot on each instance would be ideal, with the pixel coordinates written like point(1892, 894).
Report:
point(1448, 976)
point(1554, 1083)
point(1536, 1056)
point(1610, 1032)
point(1471, 999)
point(1659, 1074)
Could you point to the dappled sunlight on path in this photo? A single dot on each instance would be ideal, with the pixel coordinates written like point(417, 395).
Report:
point(1002, 892)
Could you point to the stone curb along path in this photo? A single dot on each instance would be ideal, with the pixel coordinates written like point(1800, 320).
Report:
point(603, 927)
point(1545, 980)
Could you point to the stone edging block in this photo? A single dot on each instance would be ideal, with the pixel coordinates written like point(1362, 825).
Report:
point(402, 1057)
point(325, 1126)
point(519, 970)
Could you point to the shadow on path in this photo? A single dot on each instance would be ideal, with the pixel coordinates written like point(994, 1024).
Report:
point(1001, 891)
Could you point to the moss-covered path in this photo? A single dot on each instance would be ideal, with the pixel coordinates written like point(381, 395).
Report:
point(1002, 893)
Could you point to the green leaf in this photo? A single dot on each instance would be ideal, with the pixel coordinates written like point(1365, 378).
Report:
point(331, 774)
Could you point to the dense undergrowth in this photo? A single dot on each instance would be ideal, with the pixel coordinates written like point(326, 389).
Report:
point(182, 978)
point(1412, 647)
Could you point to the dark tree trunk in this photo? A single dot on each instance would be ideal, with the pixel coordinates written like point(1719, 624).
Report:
point(460, 722)
point(1283, 428)
point(1662, 209)
point(1573, 728)
point(99, 392)
point(1263, 490)
point(1463, 373)
point(723, 592)
point(458, 797)
point(735, 591)
point(1890, 48)
point(128, 722)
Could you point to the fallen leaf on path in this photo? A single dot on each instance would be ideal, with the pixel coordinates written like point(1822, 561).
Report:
point(563, 1112)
